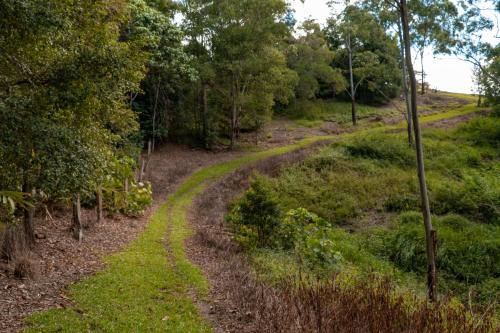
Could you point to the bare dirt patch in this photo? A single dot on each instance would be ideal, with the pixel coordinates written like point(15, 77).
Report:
point(453, 122)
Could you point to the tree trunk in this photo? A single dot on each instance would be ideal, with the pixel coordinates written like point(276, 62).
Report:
point(204, 97)
point(429, 232)
point(479, 100)
point(234, 112)
point(423, 73)
point(28, 224)
point(99, 204)
point(77, 218)
point(351, 77)
point(157, 93)
point(405, 88)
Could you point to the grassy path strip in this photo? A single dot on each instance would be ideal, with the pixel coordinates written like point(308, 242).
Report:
point(146, 288)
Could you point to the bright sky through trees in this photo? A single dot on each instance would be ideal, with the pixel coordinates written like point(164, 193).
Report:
point(444, 72)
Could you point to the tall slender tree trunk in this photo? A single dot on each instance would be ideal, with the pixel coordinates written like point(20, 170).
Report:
point(157, 93)
point(234, 112)
point(405, 87)
point(430, 233)
point(351, 77)
point(204, 97)
point(99, 204)
point(423, 73)
point(28, 224)
point(77, 218)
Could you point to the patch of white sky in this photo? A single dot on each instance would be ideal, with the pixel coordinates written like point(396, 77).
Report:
point(446, 73)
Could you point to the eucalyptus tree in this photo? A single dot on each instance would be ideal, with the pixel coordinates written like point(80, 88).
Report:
point(469, 43)
point(198, 29)
point(366, 53)
point(150, 26)
point(310, 56)
point(430, 233)
point(433, 24)
point(248, 59)
point(389, 18)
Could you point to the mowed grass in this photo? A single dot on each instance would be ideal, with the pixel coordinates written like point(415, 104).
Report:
point(147, 288)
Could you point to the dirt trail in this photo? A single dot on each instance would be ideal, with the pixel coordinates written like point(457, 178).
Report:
point(63, 261)
point(229, 306)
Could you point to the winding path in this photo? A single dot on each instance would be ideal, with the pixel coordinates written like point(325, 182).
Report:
point(151, 286)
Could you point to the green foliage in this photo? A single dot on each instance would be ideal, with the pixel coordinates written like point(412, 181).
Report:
point(483, 131)
point(384, 149)
point(65, 73)
point(467, 252)
point(475, 195)
point(131, 201)
point(376, 73)
point(311, 58)
point(308, 235)
point(256, 216)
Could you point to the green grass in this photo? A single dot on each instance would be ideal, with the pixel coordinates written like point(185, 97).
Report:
point(314, 113)
point(147, 288)
point(370, 176)
point(145, 283)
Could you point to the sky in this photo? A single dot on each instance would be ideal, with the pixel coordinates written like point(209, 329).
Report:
point(444, 72)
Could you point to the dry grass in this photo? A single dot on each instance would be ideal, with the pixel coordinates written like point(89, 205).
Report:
point(370, 307)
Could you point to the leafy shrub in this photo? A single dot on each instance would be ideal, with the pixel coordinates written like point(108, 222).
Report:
point(468, 253)
point(477, 196)
point(455, 222)
point(139, 198)
point(482, 131)
point(256, 216)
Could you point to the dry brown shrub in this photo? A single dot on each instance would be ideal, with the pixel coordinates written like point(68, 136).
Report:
point(369, 307)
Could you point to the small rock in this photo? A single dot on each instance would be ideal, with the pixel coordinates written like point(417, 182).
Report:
point(40, 236)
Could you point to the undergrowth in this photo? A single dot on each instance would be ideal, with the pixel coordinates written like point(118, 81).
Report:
point(357, 199)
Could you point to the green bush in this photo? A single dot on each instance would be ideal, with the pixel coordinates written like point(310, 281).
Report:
point(468, 253)
point(455, 222)
point(308, 235)
point(482, 131)
point(476, 196)
point(131, 201)
point(256, 216)
point(139, 198)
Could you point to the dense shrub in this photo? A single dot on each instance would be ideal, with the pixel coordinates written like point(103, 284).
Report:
point(477, 196)
point(483, 131)
point(308, 235)
point(121, 193)
point(467, 253)
point(256, 216)
point(398, 203)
